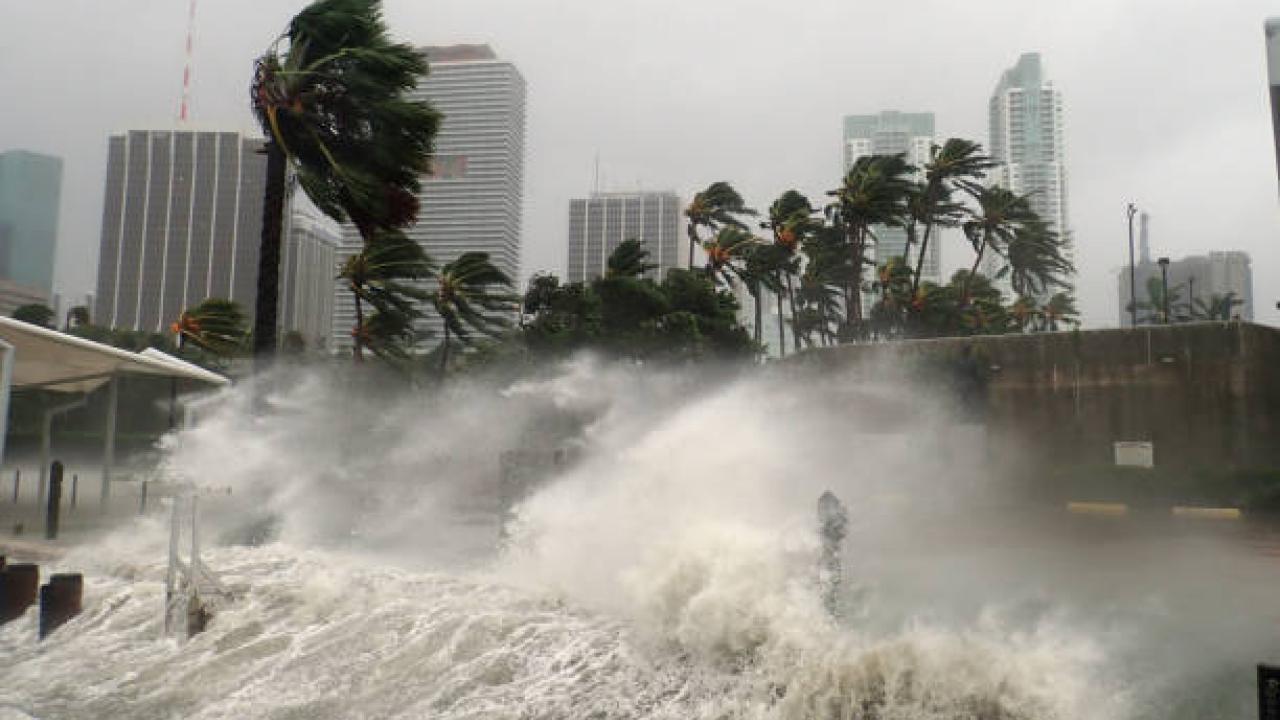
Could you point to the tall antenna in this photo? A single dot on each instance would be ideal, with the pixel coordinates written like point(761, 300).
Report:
point(186, 69)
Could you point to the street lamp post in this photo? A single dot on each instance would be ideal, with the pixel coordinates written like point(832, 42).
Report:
point(1191, 297)
point(1164, 287)
point(1133, 294)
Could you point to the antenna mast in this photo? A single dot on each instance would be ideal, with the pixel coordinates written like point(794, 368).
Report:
point(186, 69)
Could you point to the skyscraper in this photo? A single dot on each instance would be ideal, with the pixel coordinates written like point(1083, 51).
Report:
point(891, 133)
point(598, 224)
point(472, 199)
point(30, 193)
point(181, 222)
point(309, 264)
point(1272, 30)
point(1026, 138)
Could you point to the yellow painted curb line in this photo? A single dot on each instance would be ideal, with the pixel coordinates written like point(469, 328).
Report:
point(1098, 509)
point(1207, 513)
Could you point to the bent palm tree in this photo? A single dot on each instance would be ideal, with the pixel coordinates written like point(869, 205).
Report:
point(215, 325)
point(874, 192)
point(471, 296)
point(629, 259)
point(716, 207)
point(957, 163)
point(1000, 216)
point(386, 274)
point(330, 96)
point(791, 220)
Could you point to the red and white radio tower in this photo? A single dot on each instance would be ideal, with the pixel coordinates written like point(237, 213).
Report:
point(186, 70)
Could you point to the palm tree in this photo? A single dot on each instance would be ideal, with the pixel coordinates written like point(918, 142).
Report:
point(470, 296)
point(1025, 312)
point(715, 207)
point(387, 274)
point(957, 163)
point(1060, 309)
point(629, 259)
point(791, 220)
point(1035, 259)
point(216, 326)
point(1000, 216)
point(330, 95)
point(874, 192)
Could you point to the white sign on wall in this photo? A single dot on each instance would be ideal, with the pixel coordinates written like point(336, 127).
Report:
point(1135, 453)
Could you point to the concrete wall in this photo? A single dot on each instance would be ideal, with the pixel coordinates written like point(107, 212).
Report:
point(1206, 394)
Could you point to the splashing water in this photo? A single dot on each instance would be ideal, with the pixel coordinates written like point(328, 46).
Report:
point(668, 574)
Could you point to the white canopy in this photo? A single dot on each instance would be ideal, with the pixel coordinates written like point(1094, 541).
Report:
point(51, 360)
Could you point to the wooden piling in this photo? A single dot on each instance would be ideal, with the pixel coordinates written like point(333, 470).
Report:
point(60, 600)
point(54, 509)
point(19, 584)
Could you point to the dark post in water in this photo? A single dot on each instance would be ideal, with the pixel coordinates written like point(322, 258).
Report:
point(60, 600)
point(19, 583)
point(833, 520)
point(55, 501)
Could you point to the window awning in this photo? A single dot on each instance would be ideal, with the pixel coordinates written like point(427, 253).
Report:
point(50, 360)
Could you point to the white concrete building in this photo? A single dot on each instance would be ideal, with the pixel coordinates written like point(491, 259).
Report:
point(598, 224)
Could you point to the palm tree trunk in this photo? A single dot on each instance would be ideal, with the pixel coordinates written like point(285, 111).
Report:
point(924, 247)
point(265, 314)
point(964, 297)
point(853, 306)
point(759, 309)
point(782, 329)
point(357, 337)
point(444, 352)
point(791, 303)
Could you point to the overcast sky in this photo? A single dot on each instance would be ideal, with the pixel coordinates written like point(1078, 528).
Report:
point(1166, 101)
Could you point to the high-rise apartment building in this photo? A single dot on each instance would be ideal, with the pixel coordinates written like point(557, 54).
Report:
point(30, 193)
point(893, 133)
point(1272, 30)
point(309, 265)
point(1195, 282)
point(472, 199)
point(1026, 138)
point(598, 224)
point(181, 222)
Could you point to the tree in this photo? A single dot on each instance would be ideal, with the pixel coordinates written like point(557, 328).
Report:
point(629, 259)
point(1060, 310)
point(77, 316)
point(874, 192)
point(718, 206)
point(1035, 259)
point(1000, 216)
point(956, 164)
point(216, 326)
point(386, 274)
point(470, 298)
point(791, 221)
point(35, 314)
point(330, 97)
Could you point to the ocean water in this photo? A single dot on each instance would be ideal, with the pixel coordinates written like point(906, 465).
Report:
point(671, 573)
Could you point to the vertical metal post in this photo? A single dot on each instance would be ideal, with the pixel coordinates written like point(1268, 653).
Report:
point(142, 499)
point(1133, 291)
point(109, 441)
point(170, 577)
point(46, 449)
point(17, 480)
point(75, 484)
point(54, 508)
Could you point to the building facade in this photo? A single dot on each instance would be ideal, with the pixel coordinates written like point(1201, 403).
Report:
point(598, 224)
point(472, 200)
point(181, 222)
point(309, 266)
point(1026, 138)
point(1195, 283)
point(892, 133)
point(30, 197)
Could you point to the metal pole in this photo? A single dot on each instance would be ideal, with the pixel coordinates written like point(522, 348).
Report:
point(1133, 293)
point(75, 484)
point(17, 480)
point(109, 441)
point(1164, 287)
point(6, 379)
